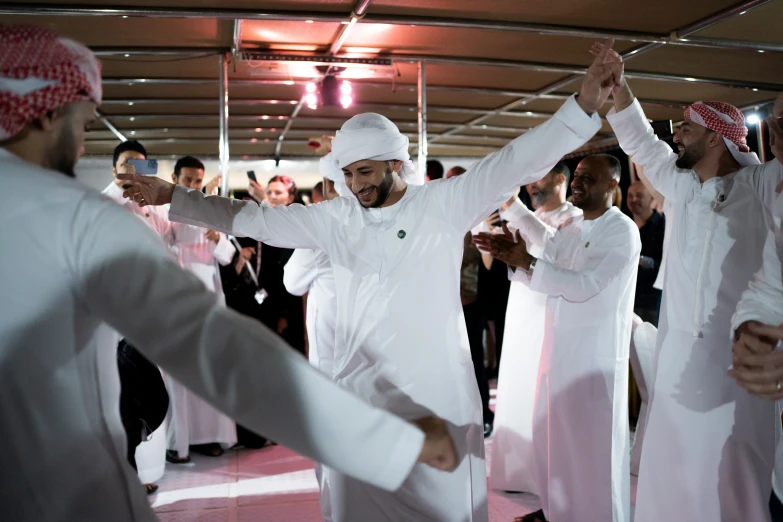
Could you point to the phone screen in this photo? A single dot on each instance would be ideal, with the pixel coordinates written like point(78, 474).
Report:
point(144, 166)
point(252, 175)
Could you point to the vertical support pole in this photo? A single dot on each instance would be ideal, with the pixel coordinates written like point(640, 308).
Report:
point(224, 124)
point(760, 139)
point(422, 111)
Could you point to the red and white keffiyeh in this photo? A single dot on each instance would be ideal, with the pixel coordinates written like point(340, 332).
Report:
point(41, 71)
point(729, 122)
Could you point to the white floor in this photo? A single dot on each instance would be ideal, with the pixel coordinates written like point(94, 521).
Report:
point(272, 485)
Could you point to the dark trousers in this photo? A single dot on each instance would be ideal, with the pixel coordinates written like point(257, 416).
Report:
point(775, 508)
point(474, 321)
point(133, 436)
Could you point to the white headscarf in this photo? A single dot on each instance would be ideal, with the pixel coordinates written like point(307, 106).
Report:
point(331, 171)
point(370, 136)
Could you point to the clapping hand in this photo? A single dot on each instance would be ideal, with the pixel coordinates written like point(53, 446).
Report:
point(507, 247)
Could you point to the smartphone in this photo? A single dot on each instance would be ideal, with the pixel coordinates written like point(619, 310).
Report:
point(144, 166)
point(252, 175)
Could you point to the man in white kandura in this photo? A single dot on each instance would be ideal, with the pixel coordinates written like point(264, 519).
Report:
point(89, 265)
point(310, 272)
point(396, 251)
point(193, 422)
point(757, 325)
point(581, 440)
point(709, 445)
point(513, 461)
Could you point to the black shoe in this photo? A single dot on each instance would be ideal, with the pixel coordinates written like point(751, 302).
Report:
point(488, 427)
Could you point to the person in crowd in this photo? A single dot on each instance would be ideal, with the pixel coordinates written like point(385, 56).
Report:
point(158, 220)
point(434, 170)
point(280, 310)
point(512, 450)
point(652, 226)
point(709, 446)
point(318, 192)
point(757, 323)
point(309, 272)
point(193, 422)
point(588, 271)
point(393, 266)
point(474, 316)
point(94, 267)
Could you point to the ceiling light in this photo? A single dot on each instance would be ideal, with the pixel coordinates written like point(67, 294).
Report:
point(132, 118)
point(259, 129)
point(133, 132)
point(311, 99)
point(253, 140)
point(690, 79)
point(761, 50)
point(281, 117)
point(165, 130)
point(289, 82)
point(310, 87)
point(125, 16)
point(130, 103)
point(345, 88)
point(308, 21)
point(266, 140)
point(755, 90)
point(273, 130)
point(742, 13)
point(293, 102)
point(346, 100)
point(264, 117)
point(752, 118)
point(126, 55)
point(312, 107)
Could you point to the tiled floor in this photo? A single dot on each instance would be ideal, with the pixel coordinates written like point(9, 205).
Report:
point(273, 484)
point(270, 485)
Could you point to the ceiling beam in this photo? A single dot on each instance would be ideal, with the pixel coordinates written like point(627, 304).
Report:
point(680, 38)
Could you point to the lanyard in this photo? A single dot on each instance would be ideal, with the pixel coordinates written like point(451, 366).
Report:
point(253, 275)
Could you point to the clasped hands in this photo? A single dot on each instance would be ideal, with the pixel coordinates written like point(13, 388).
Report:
point(508, 247)
point(757, 364)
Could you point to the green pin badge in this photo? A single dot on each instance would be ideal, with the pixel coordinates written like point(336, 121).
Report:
point(401, 234)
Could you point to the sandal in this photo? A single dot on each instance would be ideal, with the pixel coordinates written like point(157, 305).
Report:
point(173, 457)
point(210, 450)
point(151, 488)
point(536, 516)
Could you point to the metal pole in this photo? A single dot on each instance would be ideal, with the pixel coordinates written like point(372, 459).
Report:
point(760, 140)
point(422, 110)
point(111, 127)
point(223, 147)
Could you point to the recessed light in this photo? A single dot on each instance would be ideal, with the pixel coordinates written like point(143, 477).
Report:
point(132, 118)
point(127, 55)
point(130, 103)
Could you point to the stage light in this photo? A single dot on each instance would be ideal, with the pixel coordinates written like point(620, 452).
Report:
point(345, 88)
point(310, 87)
point(346, 101)
point(311, 99)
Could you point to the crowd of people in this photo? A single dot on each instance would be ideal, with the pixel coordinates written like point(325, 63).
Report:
point(403, 289)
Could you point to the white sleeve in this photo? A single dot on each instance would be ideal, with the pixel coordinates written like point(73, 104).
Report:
point(763, 300)
point(608, 254)
point(535, 232)
point(490, 182)
point(638, 140)
point(233, 362)
point(293, 226)
point(224, 250)
point(765, 179)
point(300, 271)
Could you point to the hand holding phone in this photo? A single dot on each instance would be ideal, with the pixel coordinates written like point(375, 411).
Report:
point(252, 175)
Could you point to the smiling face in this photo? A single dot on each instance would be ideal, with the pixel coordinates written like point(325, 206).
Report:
point(639, 199)
point(278, 193)
point(371, 181)
point(592, 184)
point(692, 144)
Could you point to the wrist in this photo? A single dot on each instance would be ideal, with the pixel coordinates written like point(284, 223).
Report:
point(589, 109)
point(528, 261)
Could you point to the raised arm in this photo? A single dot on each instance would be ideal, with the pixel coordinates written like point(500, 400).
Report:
point(300, 271)
point(529, 157)
point(233, 362)
point(224, 250)
point(295, 226)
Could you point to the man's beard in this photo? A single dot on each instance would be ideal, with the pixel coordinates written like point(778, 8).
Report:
point(542, 196)
point(690, 157)
point(63, 158)
point(384, 189)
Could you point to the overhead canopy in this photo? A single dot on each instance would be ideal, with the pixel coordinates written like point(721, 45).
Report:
point(493, 69)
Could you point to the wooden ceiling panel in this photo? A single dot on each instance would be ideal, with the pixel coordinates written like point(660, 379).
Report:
point(483, 77)
point(335, 6)
point(115, 31)
point(761, 24)
point(195, 109)
point(505, 45)
point(662, 16)
point(287, 36)
point(712, 63)
point(118, 66)
point(690, 92)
